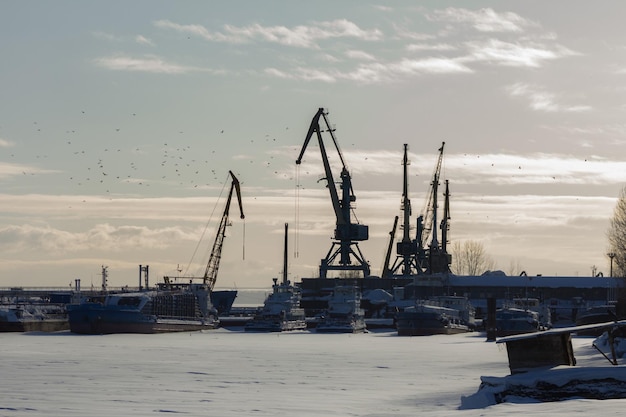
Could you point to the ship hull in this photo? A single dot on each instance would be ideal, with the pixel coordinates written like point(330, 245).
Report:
point(341, 327)
point(35, 326)
point(426, 324)
point(223, 300)
point(265, 326)
point(98, 319)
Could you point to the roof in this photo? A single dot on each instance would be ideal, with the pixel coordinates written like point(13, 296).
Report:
point(561, 330)
point(497, 280)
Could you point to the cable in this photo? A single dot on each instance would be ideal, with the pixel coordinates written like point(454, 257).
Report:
point(206, 226)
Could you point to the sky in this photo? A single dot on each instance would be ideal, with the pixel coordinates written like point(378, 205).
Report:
point(119, 123)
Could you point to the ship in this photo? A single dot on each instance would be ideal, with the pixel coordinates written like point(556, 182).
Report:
point(593, 315)
point(512, 321)
point(171, 307)
point(281, 310)
point(436, 315)
point(222, 300)
point(522, 315)
point(33, 317)
point(344, 313)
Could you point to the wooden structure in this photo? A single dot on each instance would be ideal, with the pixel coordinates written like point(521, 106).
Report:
point(548, 349)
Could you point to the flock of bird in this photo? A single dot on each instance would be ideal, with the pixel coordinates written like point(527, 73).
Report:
point(175, 159)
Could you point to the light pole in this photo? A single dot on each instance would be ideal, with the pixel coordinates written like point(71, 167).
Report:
point(611, 255)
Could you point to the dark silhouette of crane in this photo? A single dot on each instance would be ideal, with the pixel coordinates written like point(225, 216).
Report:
point(347, 234)
point(410, 255)
point(424, 254)
point(210, 274)
point(437, 259)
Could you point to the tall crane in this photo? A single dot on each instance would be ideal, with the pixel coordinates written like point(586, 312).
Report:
point(347, 234)
point(210, 274)
point(424, 254)
point(408, 255)
point(437, 259)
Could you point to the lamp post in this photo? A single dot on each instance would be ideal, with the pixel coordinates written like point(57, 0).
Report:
point(611, 255)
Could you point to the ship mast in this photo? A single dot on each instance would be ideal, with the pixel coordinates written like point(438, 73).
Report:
point(285, 279)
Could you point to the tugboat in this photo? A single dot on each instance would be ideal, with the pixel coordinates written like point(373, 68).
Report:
point(344, 313)
point(437, 315)
point(281, 310)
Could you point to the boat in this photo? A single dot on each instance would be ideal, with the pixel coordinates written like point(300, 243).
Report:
point(593, 315)
point(223, 300)
point(512, 321)
point(33, 317)
point(344, 313)
point(171, 307)
point(522, 315)
point(436, 315)
point(281, 310)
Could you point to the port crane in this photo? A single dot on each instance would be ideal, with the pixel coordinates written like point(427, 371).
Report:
point(419, 256)
point(437, 259)
point(210, 274)
point(344, 248)
point(409, 252)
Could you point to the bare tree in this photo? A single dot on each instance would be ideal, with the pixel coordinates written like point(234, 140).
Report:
point(515, 267)
point(470, 258)
point(617, 236)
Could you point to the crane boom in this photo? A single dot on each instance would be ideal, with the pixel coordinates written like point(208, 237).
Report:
point(430, 210)
point(346, 233)
point(210, 274)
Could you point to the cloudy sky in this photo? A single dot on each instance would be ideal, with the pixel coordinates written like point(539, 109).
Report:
point(119, 122)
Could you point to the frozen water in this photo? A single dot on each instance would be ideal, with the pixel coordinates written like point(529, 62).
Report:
point(233, 373)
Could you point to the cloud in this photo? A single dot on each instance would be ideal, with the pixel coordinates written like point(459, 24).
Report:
point(514, 54)
point(302, 36)
point(533, 169)
point(5, 143)
point(375, 72)
point(430, 47)
point(542, 100)
point(360, 55)
point(101, 237)
point(142, 40)
point(490, 168)
point(8, 170)
point(107, 37)
point(148, 63)
point(483, 20)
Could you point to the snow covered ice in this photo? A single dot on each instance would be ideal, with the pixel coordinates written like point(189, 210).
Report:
point(233, 373)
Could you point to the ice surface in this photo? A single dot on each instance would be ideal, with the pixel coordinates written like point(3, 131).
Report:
point(233, 373)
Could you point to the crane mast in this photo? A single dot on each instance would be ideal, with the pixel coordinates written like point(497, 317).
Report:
point(438, 260)
point(347, 234)
point(388, 272)
point(424, 254)
point(431, 206)
point(407, 261)
point(210, 274)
